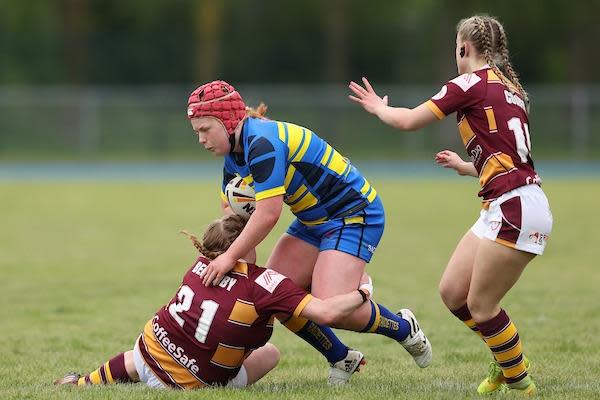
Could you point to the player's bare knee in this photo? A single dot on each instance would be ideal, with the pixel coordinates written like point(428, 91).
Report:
point(480, 311)
point(130, 366)
point(452, 297)
point(273, 353)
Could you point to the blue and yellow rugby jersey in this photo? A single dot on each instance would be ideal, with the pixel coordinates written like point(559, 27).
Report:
point(317, 182)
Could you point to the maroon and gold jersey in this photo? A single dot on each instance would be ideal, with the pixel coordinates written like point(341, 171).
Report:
point(494, 128)
point(204, 334)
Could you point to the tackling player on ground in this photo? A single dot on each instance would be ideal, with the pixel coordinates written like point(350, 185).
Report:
point(217, 335)
point(492, 112)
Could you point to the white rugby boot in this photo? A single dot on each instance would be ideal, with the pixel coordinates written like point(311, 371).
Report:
point(416, 342)
point(341, 371)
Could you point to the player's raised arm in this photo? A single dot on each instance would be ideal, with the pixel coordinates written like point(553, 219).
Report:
point(405, 119)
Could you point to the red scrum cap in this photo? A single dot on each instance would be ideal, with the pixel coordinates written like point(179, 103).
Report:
point(217, 99)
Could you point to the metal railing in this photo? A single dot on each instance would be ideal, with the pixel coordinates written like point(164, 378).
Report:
point(149, 122)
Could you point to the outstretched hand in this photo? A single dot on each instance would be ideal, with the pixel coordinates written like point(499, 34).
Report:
point(366, 96)
point(216, 270)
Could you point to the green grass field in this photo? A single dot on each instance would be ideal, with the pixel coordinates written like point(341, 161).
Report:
point(84, 265)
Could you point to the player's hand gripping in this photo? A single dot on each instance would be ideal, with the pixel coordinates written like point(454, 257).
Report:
point(367, 98)
point(216, 269)
point(449, 159)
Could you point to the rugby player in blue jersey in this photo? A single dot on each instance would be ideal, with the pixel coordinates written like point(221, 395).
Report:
point(339, 217)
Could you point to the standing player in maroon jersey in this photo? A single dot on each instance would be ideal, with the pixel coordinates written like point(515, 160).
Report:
point(492, 112)
point(217, 335)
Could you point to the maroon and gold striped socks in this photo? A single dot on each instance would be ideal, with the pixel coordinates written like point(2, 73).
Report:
point(112, 371)
point(501, 336)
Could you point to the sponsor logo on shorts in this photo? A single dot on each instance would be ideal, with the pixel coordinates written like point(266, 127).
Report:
point(371, 248)
point(539, 238)
point(495, 225)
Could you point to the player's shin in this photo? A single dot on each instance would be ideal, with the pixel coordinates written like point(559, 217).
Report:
point(384, 322)
point(320, 337)
point(112, 371)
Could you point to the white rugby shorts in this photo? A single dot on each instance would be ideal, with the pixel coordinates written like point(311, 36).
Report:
point(520, 219)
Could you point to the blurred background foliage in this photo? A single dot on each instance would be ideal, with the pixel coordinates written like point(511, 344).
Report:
point(110, 78)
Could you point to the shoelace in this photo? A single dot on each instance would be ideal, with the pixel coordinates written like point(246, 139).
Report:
point(494, 372)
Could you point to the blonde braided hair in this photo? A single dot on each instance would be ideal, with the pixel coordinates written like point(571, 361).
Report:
point(218, 236)
point(489, 38)
point(507, 65)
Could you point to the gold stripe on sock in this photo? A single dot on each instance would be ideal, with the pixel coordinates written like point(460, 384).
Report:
point(470, 323)
point(502, 336)
point(294, 324)
point(109, 376)
point(95, 377)
point(377, 319)
point(514, 371)
point(509, 354)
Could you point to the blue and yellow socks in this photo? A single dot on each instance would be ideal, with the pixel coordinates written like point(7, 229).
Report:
point(320, 337)
point(386, 323)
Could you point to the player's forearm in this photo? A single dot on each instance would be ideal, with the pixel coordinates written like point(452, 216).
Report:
point(406, 119)
point(250, 256)
point(256, 230)
point(467, 168)
point(396, 117)
point(344, 304)
point(333, 309)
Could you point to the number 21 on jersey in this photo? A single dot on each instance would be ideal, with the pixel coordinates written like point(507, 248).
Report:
point(208, 311)
point(522, 139)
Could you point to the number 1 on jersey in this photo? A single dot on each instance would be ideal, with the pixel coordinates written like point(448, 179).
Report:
point(522, 138)
point(208, 307)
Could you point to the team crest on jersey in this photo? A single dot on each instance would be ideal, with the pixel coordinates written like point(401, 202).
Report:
point(466, 81)
point(269, 280)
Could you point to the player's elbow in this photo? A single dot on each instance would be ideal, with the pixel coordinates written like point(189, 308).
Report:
point(269, 210)
point(407, 124)
point(412, 119)
point(267, 216)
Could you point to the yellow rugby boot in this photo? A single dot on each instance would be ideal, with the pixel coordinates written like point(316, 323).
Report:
point(525, 387)
point(495, 378)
